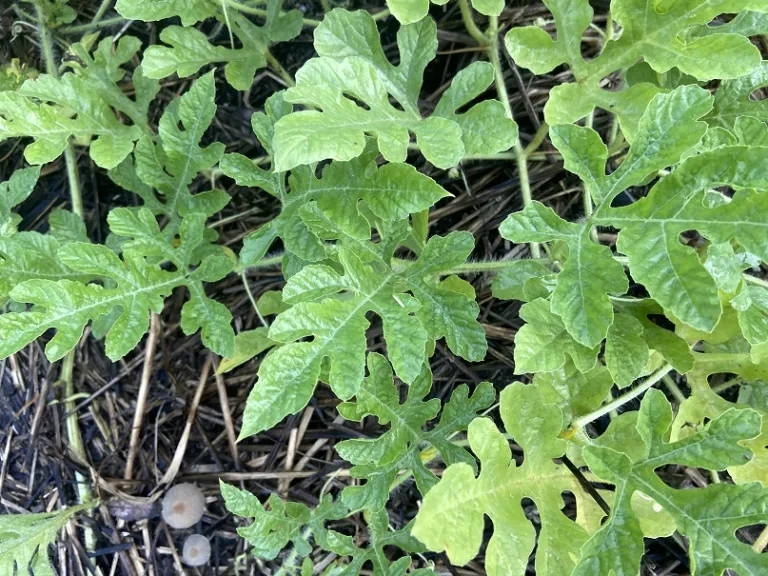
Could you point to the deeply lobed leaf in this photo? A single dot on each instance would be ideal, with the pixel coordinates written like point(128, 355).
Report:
point(352, 67)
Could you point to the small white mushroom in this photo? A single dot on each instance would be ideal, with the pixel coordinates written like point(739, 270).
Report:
point(196, 550)
point(183, 506)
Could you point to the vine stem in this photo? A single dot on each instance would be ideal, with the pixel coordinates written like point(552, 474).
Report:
point(93, 25)
point(282, 72)
point(469, 23)
point(501, 89)
point(68, 365)
point(623, 399)
point(103, 7)
point(490, 266)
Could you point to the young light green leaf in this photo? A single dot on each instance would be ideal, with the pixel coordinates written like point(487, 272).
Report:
point(626, 352)
point(543, 344)
point(391, 192)
point(12, 193)
point(248, 344)
point(352, 63)
point(380, 460)
point(26, 537)
point(590, 273)
point(170, 165)
point(699, 514)
point(27, 114)
point(497, 491)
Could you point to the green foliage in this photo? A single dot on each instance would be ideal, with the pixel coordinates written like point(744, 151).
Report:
point(500, 487)
point(707, 517)
point(650, 32)
point(190, 49)
point(659, 279)
point(379, 460)
point(170, 165)
point(81, 105)
point(24, 540)
point(332, 307)
point(296, 523)
point(352, 63)
point(684, 200)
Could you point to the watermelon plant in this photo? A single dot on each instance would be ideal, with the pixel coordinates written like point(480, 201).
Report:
point(630, 306)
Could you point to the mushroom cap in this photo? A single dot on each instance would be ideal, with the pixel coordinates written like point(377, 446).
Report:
point(196, 550)
point(183, 506)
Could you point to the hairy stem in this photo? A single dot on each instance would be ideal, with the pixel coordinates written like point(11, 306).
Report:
point(282, 72)
point(501, 90)
point(103, 7)
point(469, 23)
point(93, 25)
point(68, 365)
point(623, 399)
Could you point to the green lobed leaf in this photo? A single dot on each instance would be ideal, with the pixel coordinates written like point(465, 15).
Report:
point(292, 522)
point(26, 537)
point(747, 23)
point(509, 284)
point(352, 66)
point(189, 49)
point(172, 164)
point(391, 192)
point(708, 517)
point(732, 99)
point(404, 445)
point(248, 344)
point(626, 351)
point(332, 308)
point(138, 286)
point(190, 11)
point(27, 114)
point(673, 273)
point(497, 491)
point(576, 393)
point(102, 72)
point(543, 344)
point(590, 273)
point(650, 33)
point(12, 193)
point(705, 404)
